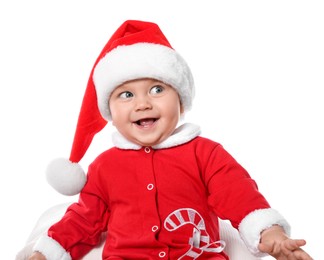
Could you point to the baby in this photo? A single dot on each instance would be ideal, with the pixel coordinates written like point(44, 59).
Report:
point(158, 193)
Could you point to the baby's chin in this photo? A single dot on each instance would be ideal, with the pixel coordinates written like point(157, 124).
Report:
point(149, 143)
point(146, 144)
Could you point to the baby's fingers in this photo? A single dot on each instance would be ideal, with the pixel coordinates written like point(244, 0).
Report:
point(291, 249)
point(290, 245)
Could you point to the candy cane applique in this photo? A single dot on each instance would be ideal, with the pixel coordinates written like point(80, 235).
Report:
point(200, 240)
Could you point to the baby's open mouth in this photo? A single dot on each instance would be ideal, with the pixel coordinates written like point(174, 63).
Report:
point(146, 121)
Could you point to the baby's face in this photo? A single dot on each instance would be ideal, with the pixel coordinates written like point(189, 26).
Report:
point(145, 111)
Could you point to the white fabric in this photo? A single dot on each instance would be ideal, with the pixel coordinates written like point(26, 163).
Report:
point(235, 246)
point(181, 135)
point(51, 249)
point(66, 177)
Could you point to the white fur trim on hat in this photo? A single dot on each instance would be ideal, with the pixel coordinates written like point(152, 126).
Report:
point(254, 223)
point(142, 60)
point(66, 177)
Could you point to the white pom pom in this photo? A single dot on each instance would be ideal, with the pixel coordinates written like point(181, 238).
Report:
point(65, 176)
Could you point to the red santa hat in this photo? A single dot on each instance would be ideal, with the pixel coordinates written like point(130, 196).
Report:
point(136, 50)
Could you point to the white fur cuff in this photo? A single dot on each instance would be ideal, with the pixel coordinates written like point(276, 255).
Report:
point(51, 249)
point(254, 223)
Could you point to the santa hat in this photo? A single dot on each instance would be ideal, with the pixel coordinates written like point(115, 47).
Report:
point(136, 50)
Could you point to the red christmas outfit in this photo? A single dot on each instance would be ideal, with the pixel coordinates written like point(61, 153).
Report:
point(150, 199)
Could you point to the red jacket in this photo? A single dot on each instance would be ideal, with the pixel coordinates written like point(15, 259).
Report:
point(150, 201)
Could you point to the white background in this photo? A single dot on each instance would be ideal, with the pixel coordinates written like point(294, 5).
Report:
point(258, 68)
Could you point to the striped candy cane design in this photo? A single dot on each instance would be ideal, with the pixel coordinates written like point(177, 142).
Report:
point(200, 240)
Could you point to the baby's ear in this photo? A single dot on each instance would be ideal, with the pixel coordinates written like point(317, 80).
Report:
point(181, 108)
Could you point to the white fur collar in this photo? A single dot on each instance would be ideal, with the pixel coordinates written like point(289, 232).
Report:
point(181, 135)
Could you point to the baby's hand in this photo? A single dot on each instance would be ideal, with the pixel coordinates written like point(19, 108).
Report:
point(37, 256)
point(288, 249)
point(277, 244)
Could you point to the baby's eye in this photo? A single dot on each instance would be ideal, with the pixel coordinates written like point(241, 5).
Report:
point(157, 89)
point(126, 94)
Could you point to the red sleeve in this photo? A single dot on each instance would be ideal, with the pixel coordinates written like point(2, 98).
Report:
point(233, 194)
point(80, 228)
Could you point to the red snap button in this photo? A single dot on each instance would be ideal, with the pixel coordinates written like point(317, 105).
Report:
point(150, 186)
point(155, 228)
